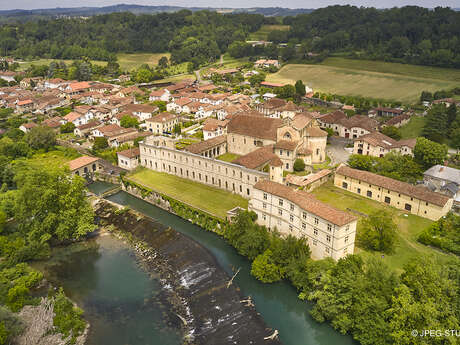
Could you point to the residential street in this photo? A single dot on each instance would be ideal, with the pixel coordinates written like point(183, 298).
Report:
point(336, 150)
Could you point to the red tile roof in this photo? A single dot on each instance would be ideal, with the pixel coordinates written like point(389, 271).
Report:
point(81, 162)
point(257, 127)
point(417, 192)
point(306, 202)
point(259, 158)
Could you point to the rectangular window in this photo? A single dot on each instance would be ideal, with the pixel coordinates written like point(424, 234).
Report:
point(264, 205)
point(346, 239)
point(345, 185)
point(369, 194)
point(387, 199)
point(265, 196)
point(329, 227)
point(316, 221)
point(408, 207)
point(264, 217)
point(304, 226)
point(315, 242)
point(280, 201)
point(290, 228)
point(328, 250)
point(328, 238)
point(291, 218)
point(359, 190)
point(280, 212)
point(315, 231)
point(304, 215)
point(292, 207)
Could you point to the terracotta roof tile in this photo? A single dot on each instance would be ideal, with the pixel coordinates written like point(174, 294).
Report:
point(259, 158)
point(81, 162)
point(207, 144)
point(394, 185)
point(258, 127)
point(307, 202)
point(130, 153)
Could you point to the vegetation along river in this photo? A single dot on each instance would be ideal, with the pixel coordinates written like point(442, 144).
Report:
point(114, 291)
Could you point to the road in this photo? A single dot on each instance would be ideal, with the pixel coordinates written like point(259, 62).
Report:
point(336, 150)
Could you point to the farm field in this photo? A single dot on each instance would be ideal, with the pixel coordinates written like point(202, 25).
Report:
point(409, 226)
point(212, 200)
point(262, 33)
point(127, 61)
point(381, 80)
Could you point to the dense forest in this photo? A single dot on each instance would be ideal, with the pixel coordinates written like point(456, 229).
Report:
point(409, 34)
point(196, 37)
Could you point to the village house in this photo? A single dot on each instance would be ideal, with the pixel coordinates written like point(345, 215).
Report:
point(382, 111)
point(124, 78)
point(129, 91)
point(85, 166)
point(309, 182)
point(26, 83)
point(77, 88)
point(179, 105)
point(213, 128)
point(54, 83)
point(8, 75)
point(142, 111)
point(162, 123)
point(271, 85)
point(398, 121)
point(127, 139)
point(77, 119)
point(129, 159)
point(263, 63)
point(205, 111)
point(272, 107)
point(377, 144)
point(445, 180)
point(24, 106)
point(416, 200)
point(26, 127)
point(160, 95)
point(86, 129)
point(348, 127)
point(47, 103)
point(329, 232)
point(53, 123)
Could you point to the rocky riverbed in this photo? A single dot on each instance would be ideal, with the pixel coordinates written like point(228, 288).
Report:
point(209, 309)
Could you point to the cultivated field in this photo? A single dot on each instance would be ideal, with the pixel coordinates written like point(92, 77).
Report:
point(127, 61)
point(262, 33)
point(409, 227)
point(212, 200)
point(369, 78)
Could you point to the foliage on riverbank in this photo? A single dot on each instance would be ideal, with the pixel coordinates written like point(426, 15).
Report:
point(195, 216)
point(44, 207)
point(362, 297)
point(443, 234)
point(68, 319)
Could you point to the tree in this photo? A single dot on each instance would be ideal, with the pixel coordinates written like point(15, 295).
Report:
point(100, 143)
point(265, 269)
point(51, 205)
point(256, 79)
point(143, 76)
point(451, 114)
point(428, 153)
point(163, 62)
point(286, 91)
point(299, 165)
point(41, 138)
point(300, 88)
point(67, 127)
point(378, 232)
point(361, 162)
point(177, 129)
point(436, 126)
point(392, 132)
point(455, 141)
point(128, 121)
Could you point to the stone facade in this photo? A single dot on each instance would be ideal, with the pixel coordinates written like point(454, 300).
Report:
point(295, 213)
point(411, 199)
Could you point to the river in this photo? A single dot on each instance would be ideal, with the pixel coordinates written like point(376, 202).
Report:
point(277, 303)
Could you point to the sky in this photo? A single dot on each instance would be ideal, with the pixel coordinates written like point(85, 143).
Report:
point(33, 4)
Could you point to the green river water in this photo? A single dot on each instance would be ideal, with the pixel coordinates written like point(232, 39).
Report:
point(120, 299)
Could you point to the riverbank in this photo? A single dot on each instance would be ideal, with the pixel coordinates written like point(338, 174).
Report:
point(211, 310)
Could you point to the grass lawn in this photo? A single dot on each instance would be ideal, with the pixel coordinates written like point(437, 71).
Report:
point(413, 128)
point(212, 200)
point(262, 33)
point(409, 227)
point(325, 165)
point(381, 80)
point(26, 64)
point(228, 157)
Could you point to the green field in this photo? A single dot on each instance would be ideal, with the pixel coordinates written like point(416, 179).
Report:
point(262, 33)
point(127, 61)
point(212, 200)
point(413, 128)
point(57, 158)
point(409, 227)
point(383, 80)
point(228, 157)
